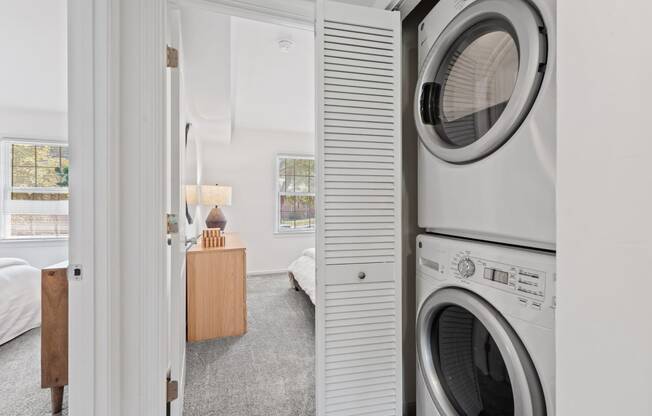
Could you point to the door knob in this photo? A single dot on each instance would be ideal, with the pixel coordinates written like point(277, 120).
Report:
point(361, 275)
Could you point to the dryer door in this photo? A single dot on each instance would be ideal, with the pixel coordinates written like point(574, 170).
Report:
point(480, 79)
point(472, 360)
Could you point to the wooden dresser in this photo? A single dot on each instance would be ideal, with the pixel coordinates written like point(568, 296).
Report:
point(216, 291)
point(54, 332)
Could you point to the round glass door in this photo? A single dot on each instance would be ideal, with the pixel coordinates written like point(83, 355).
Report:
point(474, 84)
point(480, 80)
point(470, 365)
point(472, 361)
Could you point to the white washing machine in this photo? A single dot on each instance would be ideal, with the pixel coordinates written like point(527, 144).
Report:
point(485, 113)
point(485, 329)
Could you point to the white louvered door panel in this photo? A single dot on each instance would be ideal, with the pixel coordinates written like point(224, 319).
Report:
point(359, 324)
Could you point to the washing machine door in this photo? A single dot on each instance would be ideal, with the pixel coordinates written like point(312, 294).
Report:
point(480, 79)
point(472, 361)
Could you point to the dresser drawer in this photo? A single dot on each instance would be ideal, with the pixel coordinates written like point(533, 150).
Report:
point(216, 293)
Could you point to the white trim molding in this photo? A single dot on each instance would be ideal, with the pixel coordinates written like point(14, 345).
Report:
point(144, 344)
point(94, 308)
point(267, 272)
point(34, 241)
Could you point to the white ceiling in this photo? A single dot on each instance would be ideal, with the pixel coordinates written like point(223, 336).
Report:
point(33, 74)
point(236, 76)
point(272, 89)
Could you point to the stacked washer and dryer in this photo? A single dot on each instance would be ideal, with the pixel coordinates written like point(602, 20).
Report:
point(485, 113)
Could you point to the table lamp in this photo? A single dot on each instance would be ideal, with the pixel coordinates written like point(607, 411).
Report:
point(217, 196)
point(192, 194)
point(192, 199)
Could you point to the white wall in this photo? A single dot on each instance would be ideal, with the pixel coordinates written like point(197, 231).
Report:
point(38, 253)
point(33, 98)
point(206, 74)
point(272, 97)
point(32, 123)
point(248, 165)
point(273, 90)
point(604, 344)
point(33, 44)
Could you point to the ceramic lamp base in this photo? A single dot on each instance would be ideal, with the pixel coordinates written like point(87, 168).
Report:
point(216, 219)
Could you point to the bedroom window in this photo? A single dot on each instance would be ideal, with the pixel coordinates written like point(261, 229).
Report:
point(295, 194)
point(35, 190)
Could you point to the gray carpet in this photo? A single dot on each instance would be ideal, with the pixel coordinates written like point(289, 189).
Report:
point(20, 378)
point(267, 372)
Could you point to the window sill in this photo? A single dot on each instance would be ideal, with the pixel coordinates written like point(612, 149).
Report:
point(293, 233)
point(32, 240)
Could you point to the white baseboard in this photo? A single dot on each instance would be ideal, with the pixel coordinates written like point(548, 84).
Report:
point(264, 272)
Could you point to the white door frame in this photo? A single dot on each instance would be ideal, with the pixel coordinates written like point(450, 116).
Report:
point(94, 214)
point(144, 353)
point(177, 249)
point(118, 349)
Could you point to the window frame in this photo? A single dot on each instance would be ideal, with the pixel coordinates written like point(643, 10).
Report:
point(278, 194)
point(6, 188)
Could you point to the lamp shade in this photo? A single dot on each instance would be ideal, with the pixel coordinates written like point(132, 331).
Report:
point(191, 195)
point(217, 195)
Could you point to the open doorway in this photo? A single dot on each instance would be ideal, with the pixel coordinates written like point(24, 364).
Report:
point(34, 224)
point(247, 105)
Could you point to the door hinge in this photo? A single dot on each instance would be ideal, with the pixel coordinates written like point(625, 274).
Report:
point(172, 57)
point(171, 393)
point(172, 223)
point(172, 390)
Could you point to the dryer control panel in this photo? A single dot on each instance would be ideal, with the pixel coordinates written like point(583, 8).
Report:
point(519, 280)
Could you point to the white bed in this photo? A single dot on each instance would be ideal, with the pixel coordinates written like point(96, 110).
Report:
point(20, 298)
point(302, 273)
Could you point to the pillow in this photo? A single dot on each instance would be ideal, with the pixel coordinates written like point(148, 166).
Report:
point(309, 252)
point(8, 262)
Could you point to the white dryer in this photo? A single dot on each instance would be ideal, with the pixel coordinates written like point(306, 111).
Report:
point(485, 329)
point(485, 113)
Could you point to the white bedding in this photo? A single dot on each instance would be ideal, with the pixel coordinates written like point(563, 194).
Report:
point(20, 298)
point(303, 270)
point(309, 252)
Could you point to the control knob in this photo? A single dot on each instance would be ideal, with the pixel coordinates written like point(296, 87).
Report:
point(466, 267)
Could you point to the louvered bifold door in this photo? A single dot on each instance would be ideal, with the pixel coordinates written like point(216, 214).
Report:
point(359, 364)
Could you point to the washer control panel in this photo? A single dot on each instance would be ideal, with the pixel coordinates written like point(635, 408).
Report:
point(521, 281)
point(466, 267)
